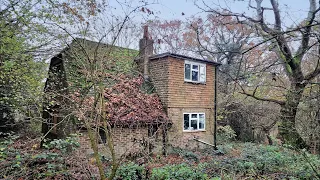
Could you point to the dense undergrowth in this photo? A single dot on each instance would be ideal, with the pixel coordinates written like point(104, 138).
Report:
point(22, 158)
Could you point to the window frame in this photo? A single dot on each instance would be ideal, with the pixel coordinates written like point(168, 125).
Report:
point(198, 120)
point(192, 63)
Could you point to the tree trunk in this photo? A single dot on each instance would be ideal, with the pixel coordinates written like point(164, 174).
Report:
point(287, 128)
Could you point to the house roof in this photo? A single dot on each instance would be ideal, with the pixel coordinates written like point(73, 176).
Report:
point(183, 57)
point(76, 59)
point(81, 55)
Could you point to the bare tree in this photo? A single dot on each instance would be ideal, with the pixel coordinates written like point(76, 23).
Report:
point(94, 85)
point(282, 43)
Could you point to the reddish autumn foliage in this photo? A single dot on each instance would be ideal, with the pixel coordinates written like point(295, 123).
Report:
point(126, 103)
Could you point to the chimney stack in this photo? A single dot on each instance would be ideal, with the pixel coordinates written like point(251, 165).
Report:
point(145, 51)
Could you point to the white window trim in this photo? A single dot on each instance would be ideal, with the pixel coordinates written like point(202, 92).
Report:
point(199, 73)
point(204, 127)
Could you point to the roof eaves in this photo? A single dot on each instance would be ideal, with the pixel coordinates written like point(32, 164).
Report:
point(183, 57)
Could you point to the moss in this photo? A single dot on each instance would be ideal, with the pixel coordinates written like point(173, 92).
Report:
point(282, 55)
point(296, 60)
point(288, 68)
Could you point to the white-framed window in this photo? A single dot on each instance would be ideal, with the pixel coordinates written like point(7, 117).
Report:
point(194, 72)
point(194, 121)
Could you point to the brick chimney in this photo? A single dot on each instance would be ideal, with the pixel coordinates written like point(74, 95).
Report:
point(145, 51)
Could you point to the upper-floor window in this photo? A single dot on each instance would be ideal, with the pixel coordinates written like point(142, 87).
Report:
point(194, 72)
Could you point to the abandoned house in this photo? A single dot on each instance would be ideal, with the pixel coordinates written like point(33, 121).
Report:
point(185, 87)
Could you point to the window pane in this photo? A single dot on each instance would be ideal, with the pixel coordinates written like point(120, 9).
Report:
point(201, 121)
point(202, 73)
point(195, 75)
point(186, 122)
point(187, 71)
point(194, 67)
point(194, 116)
point(194, 124)
point(202, 78)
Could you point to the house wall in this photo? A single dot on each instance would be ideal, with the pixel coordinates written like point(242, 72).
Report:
point(186, 94)
point(127, 141)
point(159, 73)
point(184, 139)
point(181, 97)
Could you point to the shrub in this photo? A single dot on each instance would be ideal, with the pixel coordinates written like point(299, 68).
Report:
point(180, 171)
point(130, 171)
point(225, 134)
point(186, 154)
point(64, 145)
point(14, 159)
point(260, 160)
point(224, 149)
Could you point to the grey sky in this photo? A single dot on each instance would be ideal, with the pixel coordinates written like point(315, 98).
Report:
point(291, 10)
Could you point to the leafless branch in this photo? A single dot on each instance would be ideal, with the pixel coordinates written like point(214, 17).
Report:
point(307, 29)
point(259, 98)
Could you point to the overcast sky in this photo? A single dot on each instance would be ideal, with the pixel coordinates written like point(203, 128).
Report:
point(291, 10)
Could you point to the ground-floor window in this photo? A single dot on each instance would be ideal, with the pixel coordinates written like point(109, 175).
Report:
point(193, 121)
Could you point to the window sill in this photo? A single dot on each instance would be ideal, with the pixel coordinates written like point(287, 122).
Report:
point(191, 131)
point(194, 82)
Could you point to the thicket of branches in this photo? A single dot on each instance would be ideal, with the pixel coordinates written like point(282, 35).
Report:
point(266, 67)
point(261, 59)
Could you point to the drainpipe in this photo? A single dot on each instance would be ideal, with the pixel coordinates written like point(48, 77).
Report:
point(215, 109)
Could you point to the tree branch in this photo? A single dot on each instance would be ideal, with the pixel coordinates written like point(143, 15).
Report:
point(261, 99)
point(276, 13)
point(313, 74)
point(306, 35)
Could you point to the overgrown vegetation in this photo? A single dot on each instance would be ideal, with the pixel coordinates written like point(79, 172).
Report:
point(277, 65)
point(264, 161)
point(22, 158)
point(242, 161)
point(179, 171)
